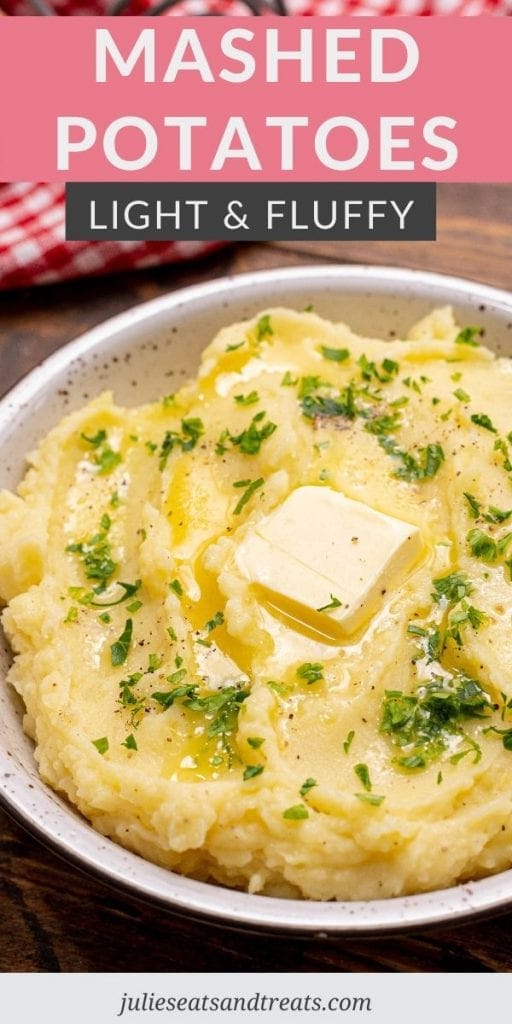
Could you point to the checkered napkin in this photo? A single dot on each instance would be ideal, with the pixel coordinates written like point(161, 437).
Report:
point(32, 245)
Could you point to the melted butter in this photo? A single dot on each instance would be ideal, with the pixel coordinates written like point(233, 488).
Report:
point(200, 612)
point(228, 362)
point(190, 756)
point(194, 506)
point(299, 618)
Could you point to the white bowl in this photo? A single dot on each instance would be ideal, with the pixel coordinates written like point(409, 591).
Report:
point(143, 354)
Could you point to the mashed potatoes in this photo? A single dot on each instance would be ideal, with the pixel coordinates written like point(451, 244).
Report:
point(263, 626)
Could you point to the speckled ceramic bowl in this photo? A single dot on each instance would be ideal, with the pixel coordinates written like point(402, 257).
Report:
point(142, 354)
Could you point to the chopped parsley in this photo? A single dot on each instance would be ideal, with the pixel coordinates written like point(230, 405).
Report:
point(425, 722)
point(101, 745)
point(370, 798)
point(501, 446)
point(384, 424)
point(462, 395)
point(309, 384)
point(251, 771)
point(154, 662)
point(177, 587)
point(220, 708)
point(318, 406)
point(119, 649)
point(336, 355)
point(363, 774)
point(449, 591)
point(95, 554)
point(466, 614)
point(104, 457)
point(468, 336)
point(453, 587)
point(506, 735)
point(307, 786)
point(255, 741)
point(249, 399)
point(483, 420)
point(421, 467)
point(251, 439)
point(129, 590)
point(497, 515)
point(212, 624)
point(288, 381)
point(130, 742)
point(191, 430)
point(389, 369)
point(296, 813)
point(72, 615)
point(250, 487)
point(348, 742)
point(333, 603)
point(264, 327)
point(128, 699)
point(431, 640)
point(311, 672)
point(474, 505)
point(484, 547)
point(177, 677)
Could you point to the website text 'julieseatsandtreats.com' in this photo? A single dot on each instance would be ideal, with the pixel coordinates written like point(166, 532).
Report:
point(257, 1002)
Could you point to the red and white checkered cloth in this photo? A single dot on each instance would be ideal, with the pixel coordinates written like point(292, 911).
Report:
point(32, 245)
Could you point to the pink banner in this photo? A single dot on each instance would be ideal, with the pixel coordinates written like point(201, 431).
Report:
point(249, 99)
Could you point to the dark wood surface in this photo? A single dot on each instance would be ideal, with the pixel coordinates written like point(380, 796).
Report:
point(52, 917)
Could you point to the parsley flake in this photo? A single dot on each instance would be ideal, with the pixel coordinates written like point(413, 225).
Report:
point(307, 786)
point(348, 742)
point(474, 505)
point(296, 813)
point(191, 430)
point(255, 741)
point(483, 420)
point(119, 649)
point(252, 770)
point(251, 486)
point(101, 745)
point(363, 775)
point(288, 381)
point(311, 672)
point(468, 336)
point(483, 546)
point(264, 327)
point(104, 457)
point(217, 620)
point(130, 742)
point(335, 355)
point(333, 603)
point(251, 439)
point(370, 798)
point(249, 399)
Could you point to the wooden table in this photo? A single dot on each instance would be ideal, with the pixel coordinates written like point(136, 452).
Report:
point(52, 917)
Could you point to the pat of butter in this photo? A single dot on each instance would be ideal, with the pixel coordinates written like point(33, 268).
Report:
point(319, 548)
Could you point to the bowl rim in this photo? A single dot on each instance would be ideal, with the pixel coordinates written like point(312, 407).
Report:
point(127, 871)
